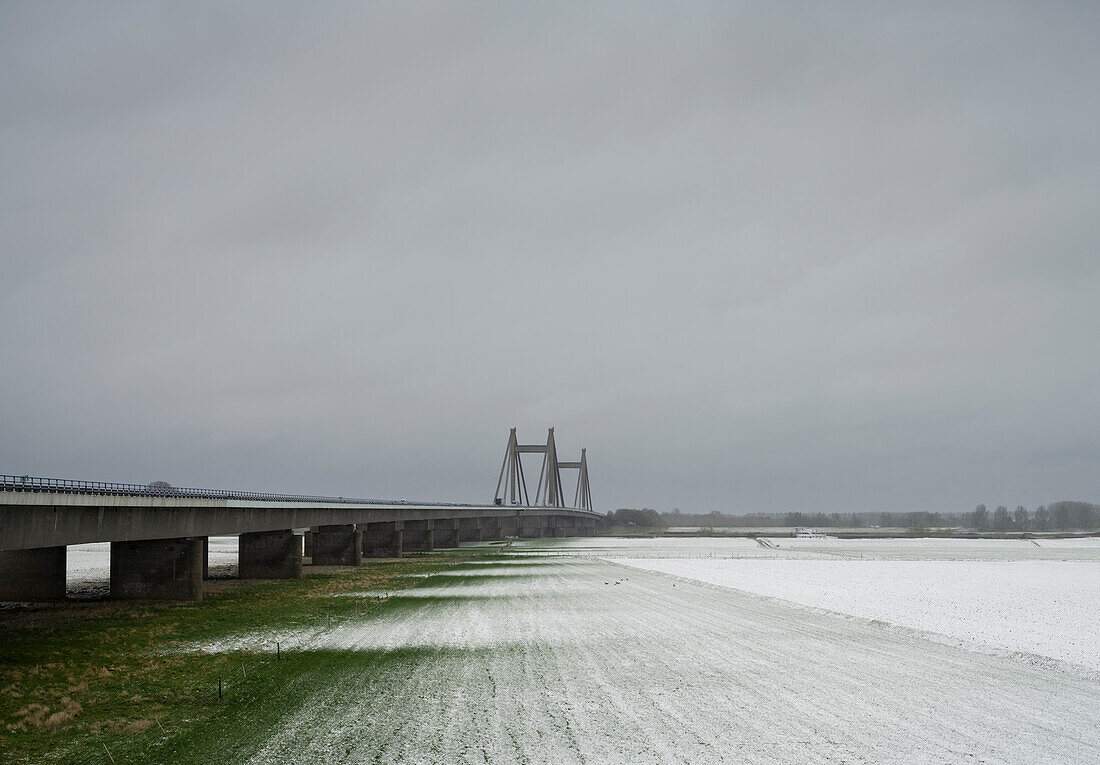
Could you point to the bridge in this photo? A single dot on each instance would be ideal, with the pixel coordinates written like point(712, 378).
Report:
point(159, 534)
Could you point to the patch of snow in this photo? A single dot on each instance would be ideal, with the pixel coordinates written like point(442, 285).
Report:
point(570, 667)
point(1049, 608)
point(88, 566)
point(659, 547)
point(1087, 549)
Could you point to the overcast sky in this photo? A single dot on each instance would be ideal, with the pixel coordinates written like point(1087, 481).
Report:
point(755, 257)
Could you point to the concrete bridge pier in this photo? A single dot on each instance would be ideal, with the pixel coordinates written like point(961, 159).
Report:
point(532, 526)
point(490, 529)
point(35, 574)
point(419, 536)
point(509, 526)
point(587, 527)
point(382, 540)
point(269, 555)
point(157, 569)
point(561, 526)
point(471, 529)
point(339, 545)
point(446, 532)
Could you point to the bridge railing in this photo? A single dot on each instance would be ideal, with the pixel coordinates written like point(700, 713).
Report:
point(67, 486)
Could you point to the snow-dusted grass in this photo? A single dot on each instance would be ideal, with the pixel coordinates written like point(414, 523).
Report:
point(552, 655)
point(115, 670)
point(1049, 608)
point(594, 662)
point(640, 547)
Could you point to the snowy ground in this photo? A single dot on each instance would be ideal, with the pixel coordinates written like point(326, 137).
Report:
point(1087, 549)
point(1083, 549)
point(700, 651)
point(658, 547)
point(576, 659)
point(1048, 608)
point(88, 567)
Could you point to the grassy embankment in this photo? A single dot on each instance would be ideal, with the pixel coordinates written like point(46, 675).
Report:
point(104, 682)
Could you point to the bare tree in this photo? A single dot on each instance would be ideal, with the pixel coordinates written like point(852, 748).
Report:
point(979, 519)
point(1042, 518)
point(1020, 518)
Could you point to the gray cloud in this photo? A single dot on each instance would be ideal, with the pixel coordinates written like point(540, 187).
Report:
point(807, 257)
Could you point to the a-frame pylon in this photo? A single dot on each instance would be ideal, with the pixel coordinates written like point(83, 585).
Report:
point(549, 475)
point(549, 491)
point(582, 499)
point(515, 489)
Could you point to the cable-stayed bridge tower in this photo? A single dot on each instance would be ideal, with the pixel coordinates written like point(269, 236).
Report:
point(512, 484)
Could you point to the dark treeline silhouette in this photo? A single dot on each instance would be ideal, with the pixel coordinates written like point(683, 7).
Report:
point(626, 516)
point(1057, 516)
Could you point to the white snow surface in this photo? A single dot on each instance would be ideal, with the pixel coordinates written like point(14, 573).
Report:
point(1048, 608)
point(578, 660)
point(1081, 549)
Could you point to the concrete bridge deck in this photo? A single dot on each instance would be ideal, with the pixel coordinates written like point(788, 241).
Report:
point(158, 536)
point(39, 519)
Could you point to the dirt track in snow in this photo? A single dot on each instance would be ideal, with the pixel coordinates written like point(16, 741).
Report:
point(547, 663)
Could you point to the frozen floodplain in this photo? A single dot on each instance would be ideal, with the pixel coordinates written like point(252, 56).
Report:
point(1080, 549)
point(575, 660)
point(1047, 608)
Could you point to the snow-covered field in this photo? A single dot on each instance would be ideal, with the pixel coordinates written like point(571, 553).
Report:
point(1086, 549)
point(1048, 608)
point(566, 659)
point(1039, 597)
point(1081, 549)
point(660, 547)
point(702, 651)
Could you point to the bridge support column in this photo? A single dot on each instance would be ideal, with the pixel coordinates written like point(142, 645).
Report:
point(561, 526)
point(382, 540)
point(490, 529)
point(419, 536)
point(157, 569)
point(532, 526)
point(269, 555)
point(339, 545)
point(446, 532)
point(470, 529)
point(36, 574)
point(587, 527)
point(509, 526)
point(307, 543)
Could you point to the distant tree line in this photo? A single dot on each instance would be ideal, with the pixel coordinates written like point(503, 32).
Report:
point(1057, 516)
point(627, 516)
